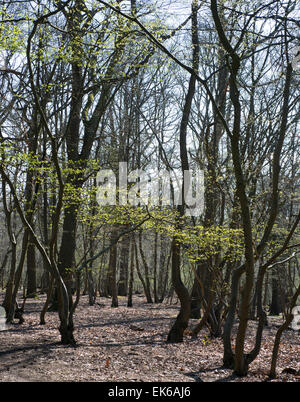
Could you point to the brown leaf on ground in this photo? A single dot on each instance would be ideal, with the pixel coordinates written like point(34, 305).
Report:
point(108, 350)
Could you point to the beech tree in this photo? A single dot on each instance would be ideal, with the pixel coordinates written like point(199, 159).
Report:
point(87, 85)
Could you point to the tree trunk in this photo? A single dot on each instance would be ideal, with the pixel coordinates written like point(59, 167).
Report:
point(112, 269)
point(124, 255)
point(46, 305)
point(31, 270)
point(163, 268)
point(181, 323)
point(275, 307)
point(66, 255)
point(145, 287)
point(10, 284)
point(146, 268)
point(131, 273)
point(196, 294)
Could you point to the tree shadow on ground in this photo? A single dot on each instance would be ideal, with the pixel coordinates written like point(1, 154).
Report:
point(211, 378)
point(25, 355)
point(124, 322)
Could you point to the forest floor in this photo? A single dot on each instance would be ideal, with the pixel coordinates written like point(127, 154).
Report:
point(129, 344)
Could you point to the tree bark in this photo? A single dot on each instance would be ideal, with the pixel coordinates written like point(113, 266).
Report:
point(112, 269)
point(181, 323)
point(124, 257)
point(131, 275)
point(31, 270)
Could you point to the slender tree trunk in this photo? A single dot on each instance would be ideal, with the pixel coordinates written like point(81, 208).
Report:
point(31, 270)
point(181, 323)
point(163, 269)
point(66, 254)
point(145, 287)
point(112, 269)
point(2, 269)
point(10, 284)
point(196, 294)
point(47, 302)
point(91, 287)
point(146, 268)
point(131, 275)
point(155, 294)
point(275, 308)
point(124, 255)
point(17, 279)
